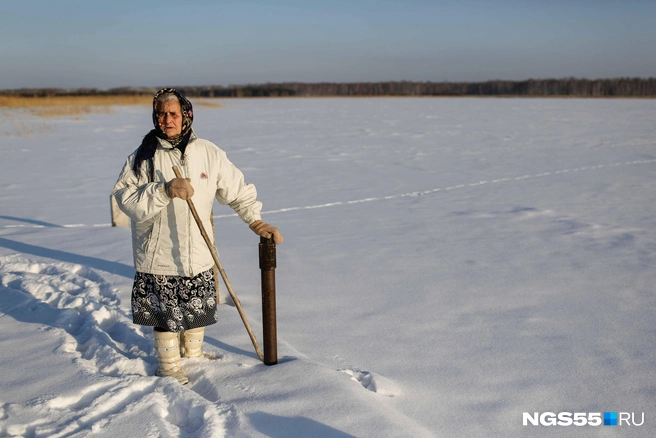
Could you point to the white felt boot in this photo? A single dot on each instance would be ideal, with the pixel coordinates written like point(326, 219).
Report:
point(192, 342)
point(168, 356)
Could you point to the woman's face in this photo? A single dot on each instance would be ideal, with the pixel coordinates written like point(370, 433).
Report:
point(169, 117)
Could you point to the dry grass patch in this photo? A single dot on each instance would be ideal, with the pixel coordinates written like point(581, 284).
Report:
point(22, 129)
point(207, 103)
point(78, 106)
point(75, 106)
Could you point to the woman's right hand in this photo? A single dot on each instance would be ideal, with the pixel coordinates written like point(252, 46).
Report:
point(179, 188)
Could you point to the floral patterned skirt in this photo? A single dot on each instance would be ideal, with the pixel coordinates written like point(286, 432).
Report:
point(174, 303)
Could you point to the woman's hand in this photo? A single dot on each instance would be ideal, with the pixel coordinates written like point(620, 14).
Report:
point(179, 188)
point(265, 230)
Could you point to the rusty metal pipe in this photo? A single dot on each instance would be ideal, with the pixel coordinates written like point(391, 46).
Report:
point(268, 266)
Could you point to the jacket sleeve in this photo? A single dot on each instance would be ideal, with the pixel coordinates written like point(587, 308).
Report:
point(232, 190)
point(139, 201)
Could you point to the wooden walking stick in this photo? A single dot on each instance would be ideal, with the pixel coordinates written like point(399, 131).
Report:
point(216, 270)
point(222, 271)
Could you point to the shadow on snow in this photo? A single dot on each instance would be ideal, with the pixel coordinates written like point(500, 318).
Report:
point(92, 262)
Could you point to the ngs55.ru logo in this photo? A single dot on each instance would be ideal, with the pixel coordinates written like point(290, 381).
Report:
point(583, 419)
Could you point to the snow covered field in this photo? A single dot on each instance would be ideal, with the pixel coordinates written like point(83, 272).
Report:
point(448, 264)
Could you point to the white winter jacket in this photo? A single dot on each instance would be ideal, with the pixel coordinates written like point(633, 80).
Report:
point(165, 237)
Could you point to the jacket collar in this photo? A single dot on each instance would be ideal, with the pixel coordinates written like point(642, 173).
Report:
point(166, 145)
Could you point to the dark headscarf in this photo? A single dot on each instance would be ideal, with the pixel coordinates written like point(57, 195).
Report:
point(146, 150)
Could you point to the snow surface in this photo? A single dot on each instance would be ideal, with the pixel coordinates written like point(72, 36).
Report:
point(448, 264)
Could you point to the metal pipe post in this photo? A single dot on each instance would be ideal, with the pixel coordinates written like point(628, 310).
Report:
point(268, 266)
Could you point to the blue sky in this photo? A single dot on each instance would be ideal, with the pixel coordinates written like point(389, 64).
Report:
point(73, 44)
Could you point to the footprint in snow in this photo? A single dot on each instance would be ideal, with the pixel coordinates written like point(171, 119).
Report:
point(78, 301)
point(373, 382)
point(168, 408)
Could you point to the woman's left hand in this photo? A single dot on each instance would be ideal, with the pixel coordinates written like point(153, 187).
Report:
point(265, 230)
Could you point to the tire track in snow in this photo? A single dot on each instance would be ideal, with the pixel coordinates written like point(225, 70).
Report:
point(389, 197)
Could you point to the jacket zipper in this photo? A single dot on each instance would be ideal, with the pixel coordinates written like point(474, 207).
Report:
point(190, 219)
point(185, 174)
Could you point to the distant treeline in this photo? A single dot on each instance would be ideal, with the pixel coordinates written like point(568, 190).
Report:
point(618, 87)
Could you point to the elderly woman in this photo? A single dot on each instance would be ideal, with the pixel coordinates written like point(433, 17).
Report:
point(174, 289)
